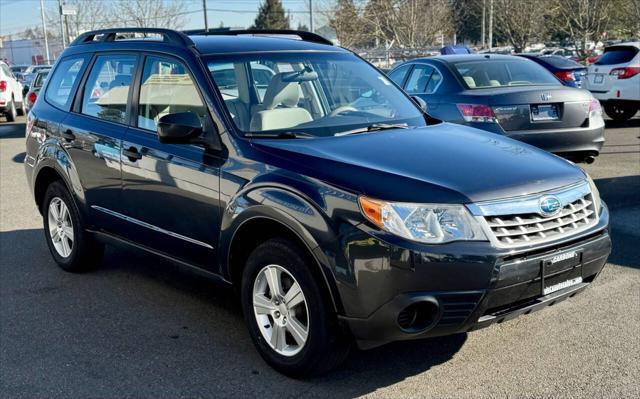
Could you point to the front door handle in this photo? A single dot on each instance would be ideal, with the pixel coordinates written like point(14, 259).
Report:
point(68, 135)
point(132, 153)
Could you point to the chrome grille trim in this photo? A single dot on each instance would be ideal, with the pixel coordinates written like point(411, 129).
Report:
point(516, 222)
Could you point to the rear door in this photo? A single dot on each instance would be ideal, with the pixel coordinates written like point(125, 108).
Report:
point(93, 134)
point(599, 78)
point(171, 191)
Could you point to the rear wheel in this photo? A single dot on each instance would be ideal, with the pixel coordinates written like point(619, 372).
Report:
point(11, 111)
point(290, 321)
point(620, 111)
point(73, 249)
point(21, 111)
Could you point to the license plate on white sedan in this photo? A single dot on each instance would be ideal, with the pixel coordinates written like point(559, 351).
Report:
point(598, 78)
point(544, 112)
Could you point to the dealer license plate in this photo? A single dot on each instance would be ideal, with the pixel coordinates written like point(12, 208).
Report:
point(546, 112)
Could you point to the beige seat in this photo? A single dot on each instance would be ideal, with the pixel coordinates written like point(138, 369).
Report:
point(279, 109)
point(469, 81)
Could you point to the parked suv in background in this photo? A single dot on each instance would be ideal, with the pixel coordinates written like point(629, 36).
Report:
point(338, 209)
point(614, 79)
point(11, 101)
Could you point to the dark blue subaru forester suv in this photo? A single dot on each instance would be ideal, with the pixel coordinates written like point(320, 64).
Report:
point(301, 175)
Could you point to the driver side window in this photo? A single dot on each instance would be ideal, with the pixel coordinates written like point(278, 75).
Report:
point(167, 88)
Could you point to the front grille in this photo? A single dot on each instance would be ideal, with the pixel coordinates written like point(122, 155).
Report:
point(531, 228)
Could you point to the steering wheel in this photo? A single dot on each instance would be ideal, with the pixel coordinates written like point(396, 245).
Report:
point(341, 109)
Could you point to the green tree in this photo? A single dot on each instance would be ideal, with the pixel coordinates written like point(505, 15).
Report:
point(345, 20)
point(271, 16)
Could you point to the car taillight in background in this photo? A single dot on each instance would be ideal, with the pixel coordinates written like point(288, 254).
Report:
point(595, 109)
point(31, 98)
point(3, 85)
point(566, 76)
point(477, 113)
point(625, 72)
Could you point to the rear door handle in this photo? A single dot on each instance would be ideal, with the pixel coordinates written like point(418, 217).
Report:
point(132, 153)
point(68, 135)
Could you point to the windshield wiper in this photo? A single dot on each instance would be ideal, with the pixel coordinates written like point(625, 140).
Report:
point(281, 135)
point(374, 127)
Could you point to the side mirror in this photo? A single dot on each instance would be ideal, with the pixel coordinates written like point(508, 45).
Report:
point(179, 128)
point(421, 103)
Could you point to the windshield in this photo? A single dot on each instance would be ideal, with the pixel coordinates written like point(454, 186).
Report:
point(40, 78)
point(503, 73)
point(310, 94)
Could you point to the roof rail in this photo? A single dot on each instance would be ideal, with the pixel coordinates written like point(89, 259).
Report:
point(303, 35)
point(110, 35)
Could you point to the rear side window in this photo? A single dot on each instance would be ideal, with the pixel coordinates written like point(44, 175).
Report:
point(167, 88)
point(617, 55)
point(399, 74)
point(418, 79)
point(61, 82)
point(106, 92)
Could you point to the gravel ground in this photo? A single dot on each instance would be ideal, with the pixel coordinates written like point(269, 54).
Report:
point(140, 327)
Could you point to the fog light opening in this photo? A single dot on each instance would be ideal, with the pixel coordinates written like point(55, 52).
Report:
point(418, 316)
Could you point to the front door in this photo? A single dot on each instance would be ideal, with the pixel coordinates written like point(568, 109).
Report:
point(171, 191)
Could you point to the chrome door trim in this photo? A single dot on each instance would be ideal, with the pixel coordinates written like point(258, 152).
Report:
point(150, 226)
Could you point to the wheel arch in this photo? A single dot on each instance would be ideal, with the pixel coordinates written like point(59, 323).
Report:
point(254, 223)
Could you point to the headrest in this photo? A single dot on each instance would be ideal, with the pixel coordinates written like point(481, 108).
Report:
point(280, 92)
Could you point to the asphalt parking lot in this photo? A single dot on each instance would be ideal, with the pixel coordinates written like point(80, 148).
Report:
point(140, 327)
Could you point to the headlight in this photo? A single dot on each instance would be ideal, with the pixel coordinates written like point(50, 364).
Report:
point(427, 223)
point(595, 194)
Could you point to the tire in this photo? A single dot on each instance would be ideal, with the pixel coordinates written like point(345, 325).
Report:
point(21, 111)
point(11, 112)
point(73, 249)
point(326, 345)
point(620, 111)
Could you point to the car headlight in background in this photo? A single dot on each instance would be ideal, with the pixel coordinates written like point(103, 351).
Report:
point(595, 194)
point(427, 223)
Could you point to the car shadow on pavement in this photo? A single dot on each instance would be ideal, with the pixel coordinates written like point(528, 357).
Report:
point(12, 130)
point(611, 124)
point(621, 195)
point(139, 313)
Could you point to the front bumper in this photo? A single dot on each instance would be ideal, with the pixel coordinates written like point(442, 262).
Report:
point(471, 291)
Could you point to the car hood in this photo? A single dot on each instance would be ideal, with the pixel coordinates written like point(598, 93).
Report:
point(444, 163)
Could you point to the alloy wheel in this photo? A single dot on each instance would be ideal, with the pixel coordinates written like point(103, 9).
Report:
point(60, 227)
point(280, 309)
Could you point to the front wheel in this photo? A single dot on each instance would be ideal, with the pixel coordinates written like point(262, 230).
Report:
point(289, 319)
point(620, 111)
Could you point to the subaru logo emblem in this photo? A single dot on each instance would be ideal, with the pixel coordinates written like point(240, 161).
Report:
point(545, 96)
point(549, 206)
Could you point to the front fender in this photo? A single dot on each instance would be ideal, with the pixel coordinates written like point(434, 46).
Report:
point(295, 211)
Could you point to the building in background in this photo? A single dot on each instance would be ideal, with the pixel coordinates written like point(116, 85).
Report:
point(28, 51)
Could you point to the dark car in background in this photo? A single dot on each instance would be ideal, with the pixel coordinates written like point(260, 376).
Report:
point(335, 206)
point(508, 95)
point(570, 72)
point(34, 88)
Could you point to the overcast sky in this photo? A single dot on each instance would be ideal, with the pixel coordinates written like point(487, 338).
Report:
point(16, 15)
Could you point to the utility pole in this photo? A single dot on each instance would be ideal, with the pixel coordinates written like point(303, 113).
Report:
point(61, 24)
point(311, 16)
point(490, 24)
point(484, 18)
point(44, 31)
point(204, 10)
